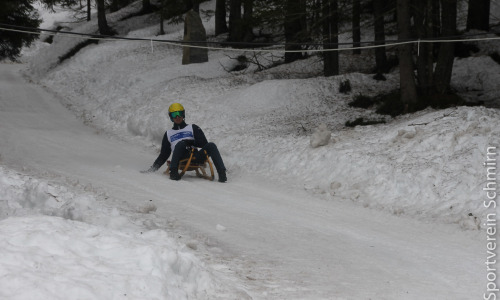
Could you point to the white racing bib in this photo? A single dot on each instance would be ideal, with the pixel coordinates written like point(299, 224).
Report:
point(175, 136)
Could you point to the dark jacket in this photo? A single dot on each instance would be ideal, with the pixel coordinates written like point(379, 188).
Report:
point(199, 141)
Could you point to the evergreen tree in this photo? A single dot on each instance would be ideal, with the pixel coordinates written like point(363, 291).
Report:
point(406, 75)
point(330, 37)
point(356, 26)
point(235, 21)
point(118, 4)
point(294, 28)
point(425, 27)
point(220, 17)
point(147, 7)
point(478, 16)
point(17, 13)
point(444, 63)
point(102, 22)
point(248, 22)
point(380, 53)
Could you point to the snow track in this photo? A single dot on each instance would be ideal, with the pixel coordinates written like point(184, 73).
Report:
point(258, 239)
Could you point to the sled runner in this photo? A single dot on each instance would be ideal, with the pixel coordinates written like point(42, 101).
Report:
point(192, 164)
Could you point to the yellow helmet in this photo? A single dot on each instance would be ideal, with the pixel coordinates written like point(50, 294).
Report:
point(176, 109)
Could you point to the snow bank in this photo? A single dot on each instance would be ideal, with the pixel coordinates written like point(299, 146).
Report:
point(45, 252)
point(478, 79)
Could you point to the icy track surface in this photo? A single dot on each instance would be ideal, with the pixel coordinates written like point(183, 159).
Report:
point(82, 216)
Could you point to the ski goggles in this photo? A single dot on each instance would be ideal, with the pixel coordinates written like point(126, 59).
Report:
point(176, 114)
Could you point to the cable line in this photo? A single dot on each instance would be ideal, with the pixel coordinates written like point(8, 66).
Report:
point(200, 44)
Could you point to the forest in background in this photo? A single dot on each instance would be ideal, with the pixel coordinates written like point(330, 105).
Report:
point(425, 36)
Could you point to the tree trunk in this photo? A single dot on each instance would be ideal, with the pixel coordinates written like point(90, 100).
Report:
point(293, 29)
point(220, 17)
point(118, 4)
point(114, 6)
point(444, 64)
point(478, 16)
point(356, 26)
point(146, 6)
point(380, 54)
point(424, 24)
point(235, 21)
point(436, 18)
point(88, 10)
point(330, 37)
point(248, 20)
point(162, 16)
point(101, 18)
point(195, 5)
point(406, 74)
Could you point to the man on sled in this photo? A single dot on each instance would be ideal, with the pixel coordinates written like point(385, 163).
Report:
point(180, 141)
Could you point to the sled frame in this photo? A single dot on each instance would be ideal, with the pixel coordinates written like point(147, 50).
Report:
point(190, 164)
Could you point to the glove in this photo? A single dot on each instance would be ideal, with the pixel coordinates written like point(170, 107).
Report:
point(151, 169)
point(188, 143)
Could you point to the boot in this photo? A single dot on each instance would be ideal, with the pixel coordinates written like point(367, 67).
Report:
point(222, 176)
point(174, 175)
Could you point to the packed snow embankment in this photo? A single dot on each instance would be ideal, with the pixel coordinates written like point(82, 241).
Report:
point(44, 251)
point(428, 165)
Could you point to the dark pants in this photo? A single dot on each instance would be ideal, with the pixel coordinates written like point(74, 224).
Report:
point(182, 150)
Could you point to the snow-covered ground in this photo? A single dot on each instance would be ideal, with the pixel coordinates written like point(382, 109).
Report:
point(390, 211)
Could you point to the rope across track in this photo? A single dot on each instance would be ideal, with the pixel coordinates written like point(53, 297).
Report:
point(200, 45)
